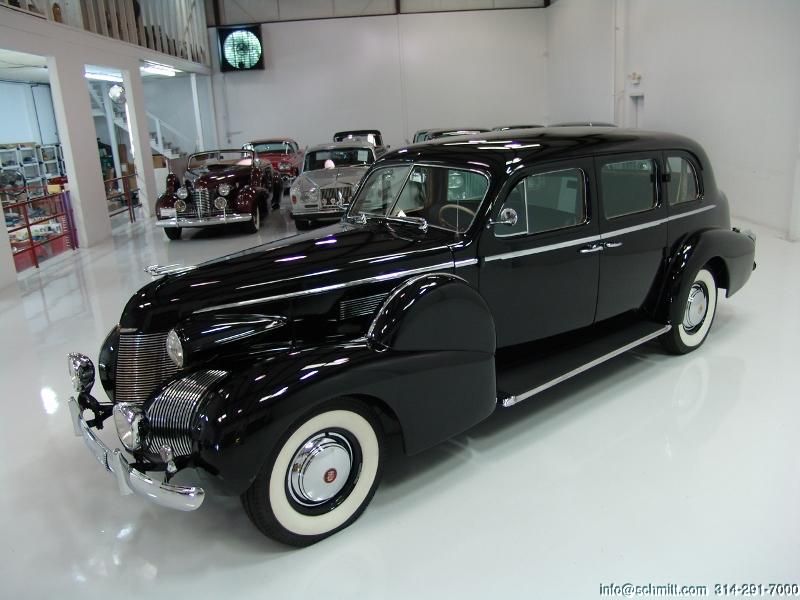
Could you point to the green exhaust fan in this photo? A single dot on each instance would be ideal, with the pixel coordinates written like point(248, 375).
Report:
point(240, 48)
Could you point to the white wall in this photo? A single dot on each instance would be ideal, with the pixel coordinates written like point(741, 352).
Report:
point(170, 99)
point(580, 60)
point(18, 123)
point(395, 73)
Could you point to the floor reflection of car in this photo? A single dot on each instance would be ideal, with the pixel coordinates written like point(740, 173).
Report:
point(324, 188)
point(220, 187)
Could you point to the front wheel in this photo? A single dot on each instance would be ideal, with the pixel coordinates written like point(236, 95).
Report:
point(254, 225)
point(173, 233)
point(320, 478)
point(692, 315)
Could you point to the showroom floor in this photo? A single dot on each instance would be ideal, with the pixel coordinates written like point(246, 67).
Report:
point(648, 469)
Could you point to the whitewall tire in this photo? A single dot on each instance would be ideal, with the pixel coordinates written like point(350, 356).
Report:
point(320, 477)
point(693, 315)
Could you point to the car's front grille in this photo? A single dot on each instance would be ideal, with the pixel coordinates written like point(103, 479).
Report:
point(335, 196)
point(142, 364)
point(200, 205)
point(173, 413)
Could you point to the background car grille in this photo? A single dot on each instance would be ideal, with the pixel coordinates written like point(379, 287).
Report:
point(173, 413)
point(142, 364)
point(200, 205)
point(330, 196)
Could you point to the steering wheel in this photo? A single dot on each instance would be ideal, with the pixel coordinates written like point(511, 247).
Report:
point(456, 207)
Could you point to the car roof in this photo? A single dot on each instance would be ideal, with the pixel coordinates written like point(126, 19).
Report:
point(274, 140)
point(454, 130)
point(357, 132)
point(341, 146)
point(496, 149)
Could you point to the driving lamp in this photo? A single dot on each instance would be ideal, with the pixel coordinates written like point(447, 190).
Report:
point(81, 372)
point(182, 193)
point(224, 189)
point(128, 419)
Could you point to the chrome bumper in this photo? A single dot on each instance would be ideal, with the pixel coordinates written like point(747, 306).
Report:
point(205, 221)
point(317, 213)
point(130, 480)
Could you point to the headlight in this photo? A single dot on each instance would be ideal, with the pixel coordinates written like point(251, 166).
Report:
point(128, 419)
point(284, 166)
point(224, 189)
point(180, 205)
point(81, 371)
point(220, 203)
point(174, 348)
point(182, 193)
point(311, 195)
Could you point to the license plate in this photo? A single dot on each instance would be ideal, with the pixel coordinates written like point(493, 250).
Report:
point(168, 213)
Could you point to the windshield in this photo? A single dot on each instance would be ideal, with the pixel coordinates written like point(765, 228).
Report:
point(340, 157)
point(273, 147)
point(218, 160)
point(445, 197)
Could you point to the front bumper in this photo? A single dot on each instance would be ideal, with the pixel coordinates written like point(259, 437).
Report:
point(130, 480)
point(205, 221)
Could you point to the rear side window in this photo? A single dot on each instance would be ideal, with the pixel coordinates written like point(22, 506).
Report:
point(546, 202)
point(682, 184)
point(628, 187)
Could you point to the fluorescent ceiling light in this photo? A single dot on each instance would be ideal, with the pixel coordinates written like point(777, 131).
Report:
point(159, 69)
point(103, 77)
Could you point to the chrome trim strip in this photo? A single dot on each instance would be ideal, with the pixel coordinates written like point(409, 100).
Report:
point(467, 262)
point(204, 221)
point(131, 480)
point(596, 238)
point(159, 270)
point(512, 400)
point(330, 288)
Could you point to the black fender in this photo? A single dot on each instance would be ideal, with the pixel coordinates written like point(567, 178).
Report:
point(424, 371)
point(729, 254)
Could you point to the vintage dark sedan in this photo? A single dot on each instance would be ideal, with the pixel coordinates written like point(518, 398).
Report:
point(220, 187)
point(370, 136)
point(469, 275)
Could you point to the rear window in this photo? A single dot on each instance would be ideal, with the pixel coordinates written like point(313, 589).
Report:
point(682, 184)
point(628, 187)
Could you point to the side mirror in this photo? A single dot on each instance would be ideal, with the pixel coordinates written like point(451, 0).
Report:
point(508, 216)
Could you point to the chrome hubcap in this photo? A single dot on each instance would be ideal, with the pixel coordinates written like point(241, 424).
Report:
point(696, 307)
point(320, 469)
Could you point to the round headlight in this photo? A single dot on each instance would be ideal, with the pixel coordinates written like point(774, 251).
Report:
point(81, 372)
point(182, 193)
point(180, 205)
point(174, 348)
point(284, 166)
point(128, 420)
point(224, 189)
point(220, 202)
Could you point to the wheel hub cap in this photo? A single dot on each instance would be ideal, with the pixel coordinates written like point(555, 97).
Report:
point(696, 307)
point(320, 468)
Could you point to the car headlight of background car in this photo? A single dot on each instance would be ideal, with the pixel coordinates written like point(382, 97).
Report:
point(224, 189)
point(182, 193)
point(284, 166)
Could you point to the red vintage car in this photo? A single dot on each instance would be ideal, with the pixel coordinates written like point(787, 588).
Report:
point(220, 187)
point(284, 154)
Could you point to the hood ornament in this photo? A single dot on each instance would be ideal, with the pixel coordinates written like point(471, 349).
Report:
point(159, 270)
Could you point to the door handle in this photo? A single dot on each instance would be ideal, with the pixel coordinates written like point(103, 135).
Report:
point(613, 244)
point(591, 248)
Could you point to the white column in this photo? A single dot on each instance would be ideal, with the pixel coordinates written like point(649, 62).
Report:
point(199, 142)
point(794, 201)
point(8, 273)
point(112, 130)
point(140, 137)
point(79, 142)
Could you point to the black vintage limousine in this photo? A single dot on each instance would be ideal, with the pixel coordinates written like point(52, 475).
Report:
point(468, 274)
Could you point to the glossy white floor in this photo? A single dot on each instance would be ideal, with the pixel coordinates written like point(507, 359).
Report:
point(649, 469)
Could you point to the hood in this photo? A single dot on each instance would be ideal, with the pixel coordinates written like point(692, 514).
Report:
point(259, 280)
point(211, 179)
point(325, 177)
point(276, 157)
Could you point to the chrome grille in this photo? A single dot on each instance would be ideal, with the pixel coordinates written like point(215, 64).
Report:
point(142, 364)
point(330, 196)
point(173, 412)
point(200, 205)
point(358, 307)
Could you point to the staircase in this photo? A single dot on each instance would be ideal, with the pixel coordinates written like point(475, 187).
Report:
point(164, 139)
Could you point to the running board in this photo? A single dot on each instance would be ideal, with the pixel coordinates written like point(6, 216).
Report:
point(536, 375)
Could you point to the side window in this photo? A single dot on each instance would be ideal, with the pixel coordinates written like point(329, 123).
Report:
point(682, 185)
point(546, 202)
point(628, 187)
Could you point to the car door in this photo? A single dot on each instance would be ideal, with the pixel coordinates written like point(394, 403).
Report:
point(539, 275)
point(633, 228)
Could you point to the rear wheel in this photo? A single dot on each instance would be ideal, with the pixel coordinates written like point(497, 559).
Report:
point(692, 315)
point(320, 477)
point(173, 233)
